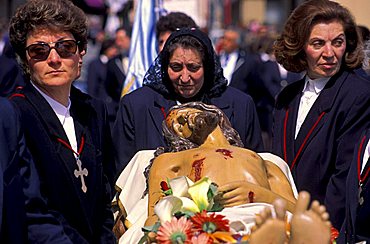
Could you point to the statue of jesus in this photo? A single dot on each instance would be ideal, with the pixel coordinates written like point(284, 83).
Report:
point(203, 143)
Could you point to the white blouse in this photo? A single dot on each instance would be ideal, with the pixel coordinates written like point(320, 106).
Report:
point(310, 93)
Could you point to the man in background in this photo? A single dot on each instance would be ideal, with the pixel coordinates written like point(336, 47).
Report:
point(96, 76)
point(169, 23)
point(117, 68)
point(238, 65)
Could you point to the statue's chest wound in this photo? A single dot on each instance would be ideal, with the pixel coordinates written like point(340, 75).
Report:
point(197, 168)
point(226, 153)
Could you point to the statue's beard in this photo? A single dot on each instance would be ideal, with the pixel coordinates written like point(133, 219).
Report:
point(204, 124)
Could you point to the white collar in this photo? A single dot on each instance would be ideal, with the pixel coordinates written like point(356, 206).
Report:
point(104, 59)
point(317, 84)
point(60, 110)
point(233, 53)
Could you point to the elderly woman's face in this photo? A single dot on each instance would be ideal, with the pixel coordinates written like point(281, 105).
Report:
point(325, 49)
point(57, 68)
point(186, 72)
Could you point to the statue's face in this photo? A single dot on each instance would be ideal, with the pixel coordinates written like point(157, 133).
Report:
point(182, 121)
point(192, 124)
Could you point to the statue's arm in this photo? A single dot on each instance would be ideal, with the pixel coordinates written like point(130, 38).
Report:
point(240, 192)
point(279, 183)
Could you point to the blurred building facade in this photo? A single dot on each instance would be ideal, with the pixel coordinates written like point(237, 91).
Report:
point(213, 15)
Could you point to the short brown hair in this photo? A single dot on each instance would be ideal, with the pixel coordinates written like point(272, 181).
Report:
point(56, 15)
point(288, 47)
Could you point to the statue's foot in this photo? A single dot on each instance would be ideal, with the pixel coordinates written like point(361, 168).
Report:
point(309, 225)
point(269, 229)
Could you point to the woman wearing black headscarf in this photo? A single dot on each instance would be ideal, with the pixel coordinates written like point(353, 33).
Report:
point(186, 70)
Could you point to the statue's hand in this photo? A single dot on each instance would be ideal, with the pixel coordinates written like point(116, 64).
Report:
point(237, 193)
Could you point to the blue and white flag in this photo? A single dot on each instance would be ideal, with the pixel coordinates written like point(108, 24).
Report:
point(143, 49)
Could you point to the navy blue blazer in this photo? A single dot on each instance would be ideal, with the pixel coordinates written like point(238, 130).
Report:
point(356, 224)
point(320, 156)
point(139, 120)
point(13, 228)
point(96, 76)
point(21, 204)
point(10, 76)
point(85, 217)
point(115, 78)
point(96, 79)
point(245, 74)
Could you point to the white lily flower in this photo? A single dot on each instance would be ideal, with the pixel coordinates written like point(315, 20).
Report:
point(189, 205)
point(167, 207)
point(180, 186)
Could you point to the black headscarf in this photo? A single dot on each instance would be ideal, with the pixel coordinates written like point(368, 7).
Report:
point(214, 81)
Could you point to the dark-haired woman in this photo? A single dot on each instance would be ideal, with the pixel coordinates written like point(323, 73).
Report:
point(319, 118)
point(186, 70)
point(66, 131)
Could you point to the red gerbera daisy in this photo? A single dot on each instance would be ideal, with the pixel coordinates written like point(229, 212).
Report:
point(175, 231)
point(201, 239)
point(209, 223)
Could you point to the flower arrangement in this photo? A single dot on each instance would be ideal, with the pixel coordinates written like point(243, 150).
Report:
point(187, 214)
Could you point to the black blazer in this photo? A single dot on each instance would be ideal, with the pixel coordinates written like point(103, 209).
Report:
point(21, 204)
point(13, 159)
point(356, 224)
point(85, 217)
point(321, 155)
point(11, 76)
point(115, 78)
point(245, 74)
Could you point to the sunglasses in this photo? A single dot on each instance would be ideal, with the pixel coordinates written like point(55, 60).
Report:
point(41, 51)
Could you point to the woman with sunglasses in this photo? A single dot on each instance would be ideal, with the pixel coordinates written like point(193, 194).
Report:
point(67, 131)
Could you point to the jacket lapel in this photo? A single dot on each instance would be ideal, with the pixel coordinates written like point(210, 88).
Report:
point(240, 61)
point(362, 154)
point(118, 62)
point(44, 112)
point(82, 116)
point(54, 128)
point(316, 116)
point(290, 122)
point(288, 102)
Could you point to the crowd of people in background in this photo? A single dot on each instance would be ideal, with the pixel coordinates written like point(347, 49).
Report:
point(246, 56)
point(259, 76)
point(245, 53)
